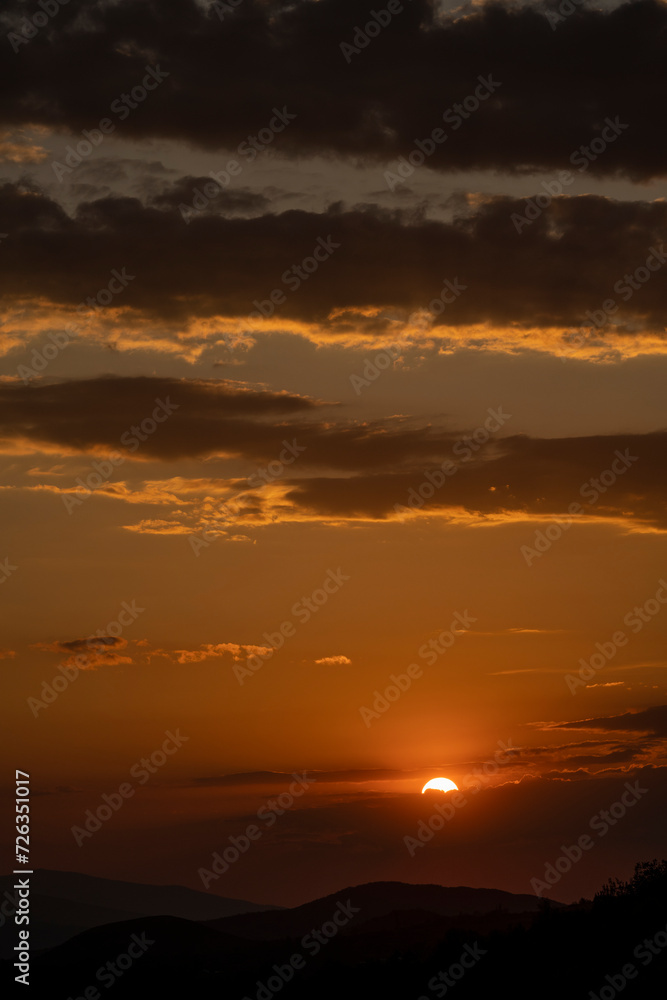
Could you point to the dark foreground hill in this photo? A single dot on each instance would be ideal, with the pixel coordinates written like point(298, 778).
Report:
point(375, 900)
point(64, 904)
point(615, 943)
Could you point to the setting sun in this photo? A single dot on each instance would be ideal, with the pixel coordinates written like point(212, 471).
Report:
point(333, 441)
point(440, 785)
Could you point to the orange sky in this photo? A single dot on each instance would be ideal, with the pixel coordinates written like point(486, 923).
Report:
point(363, 468)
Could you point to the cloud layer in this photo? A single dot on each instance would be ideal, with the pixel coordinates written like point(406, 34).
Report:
point(227, 74)
point(318, 467)
point(588, 269)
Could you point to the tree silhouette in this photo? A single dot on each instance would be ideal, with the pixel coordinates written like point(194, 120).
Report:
point(649, 880)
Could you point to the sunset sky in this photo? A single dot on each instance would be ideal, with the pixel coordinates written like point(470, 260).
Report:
point(394, 382)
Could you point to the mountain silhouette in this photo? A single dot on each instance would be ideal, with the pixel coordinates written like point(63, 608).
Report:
point(376, 900)
point(64, 904)
point(394, 939)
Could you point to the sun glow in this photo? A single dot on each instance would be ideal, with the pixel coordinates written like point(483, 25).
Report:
point(440, 785)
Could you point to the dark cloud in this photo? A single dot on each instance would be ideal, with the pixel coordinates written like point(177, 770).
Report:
point(106, 170)
point(596, 755)
point(352, 775)
point(185, 190)
point(570, 746)
point(225, 76)
point(207, 416)
point(104, 642)
point(649, 720)
point(520, 475)
point(566, 264)
point(90, 653)
point(395, 462)
point(612, 757)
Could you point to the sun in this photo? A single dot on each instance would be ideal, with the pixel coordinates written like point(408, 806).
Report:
point(440, 785)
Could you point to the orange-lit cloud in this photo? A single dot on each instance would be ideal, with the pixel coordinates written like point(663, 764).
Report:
point(90, 653)
point(363, 292)
point(213, 651)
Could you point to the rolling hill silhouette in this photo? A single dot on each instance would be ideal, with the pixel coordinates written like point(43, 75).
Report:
point(377, 900)
point(213, 953)
point(401, 943)
point(64, 904)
